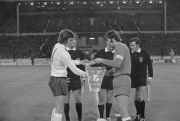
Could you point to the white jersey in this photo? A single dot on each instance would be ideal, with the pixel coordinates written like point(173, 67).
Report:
point(60, 60)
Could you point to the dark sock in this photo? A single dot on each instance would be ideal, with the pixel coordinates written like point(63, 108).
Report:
point(101, 110)
point(79, 110)
point(137, 104)
point(108, 109)
point(118, 118)
point(66, 111)
point(142, 108)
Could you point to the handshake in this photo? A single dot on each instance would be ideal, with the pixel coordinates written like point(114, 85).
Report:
point(89, 63)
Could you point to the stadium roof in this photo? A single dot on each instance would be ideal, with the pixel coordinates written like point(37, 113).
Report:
point(172, 2)
point(92, 1)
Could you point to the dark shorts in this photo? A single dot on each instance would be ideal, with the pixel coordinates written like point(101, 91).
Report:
point(58, 86)
point(107, 83)
point(74, 84)
point(138, 82)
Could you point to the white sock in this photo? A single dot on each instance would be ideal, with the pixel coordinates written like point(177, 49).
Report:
point(126, 119)
point(52, 115)
point(117, 115)
point(57, 117)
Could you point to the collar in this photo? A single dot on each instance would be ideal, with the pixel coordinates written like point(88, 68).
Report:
point(68, 49)
point(62, 45)
point(139, 50)
point(106, 50)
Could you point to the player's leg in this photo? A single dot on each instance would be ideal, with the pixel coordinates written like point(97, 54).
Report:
point(142, 92)
point(122, 87)
point(117, 113)
point(59, 89)
point(109, 96)
point(137, 103)
point(141, 95)
point(122, 101)
point(171, 60)
point(66, 106)
point(101, 96)
point(82, 85)
point(76, 88)
point(59, 107)
point(77, 96)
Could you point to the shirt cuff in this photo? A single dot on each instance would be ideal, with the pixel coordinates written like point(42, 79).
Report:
point(77, 62)
point(149, 78)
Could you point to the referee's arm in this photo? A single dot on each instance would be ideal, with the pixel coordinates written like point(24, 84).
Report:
point(70, 63)
point(97, 55)
point(149, 65)
point(118, 58)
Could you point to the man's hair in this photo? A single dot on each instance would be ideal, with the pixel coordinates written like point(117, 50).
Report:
point(134, 39)
point(112, 34)
point(64, 35)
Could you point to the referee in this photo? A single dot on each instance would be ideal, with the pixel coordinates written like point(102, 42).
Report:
point(74, 84)
point(106, 92)
point(141, 71)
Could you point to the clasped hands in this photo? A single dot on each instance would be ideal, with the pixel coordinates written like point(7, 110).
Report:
point(89, 63)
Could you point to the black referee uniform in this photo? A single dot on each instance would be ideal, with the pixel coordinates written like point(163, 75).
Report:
point(75, 81)
point(107, 80)
point(141, 68)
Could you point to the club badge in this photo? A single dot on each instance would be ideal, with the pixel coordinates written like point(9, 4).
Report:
point(141, 59)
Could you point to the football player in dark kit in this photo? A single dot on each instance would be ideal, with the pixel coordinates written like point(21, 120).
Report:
point(106, 92)
point(141, 73)
point(74, 83)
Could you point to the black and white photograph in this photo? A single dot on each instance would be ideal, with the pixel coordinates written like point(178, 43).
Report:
point(89, 60)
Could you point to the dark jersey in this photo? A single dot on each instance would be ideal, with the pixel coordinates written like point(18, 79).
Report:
point(105, 55)
point(75, 55)
point(141, 65)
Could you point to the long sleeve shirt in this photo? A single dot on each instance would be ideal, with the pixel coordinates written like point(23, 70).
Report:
point(141, 65)
point(76, 55)
point(121, 60)
point(105, 54)
point(60, 60)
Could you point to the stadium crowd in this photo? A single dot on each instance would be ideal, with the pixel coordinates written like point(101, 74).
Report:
point(89, 21)
point(41, 46)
